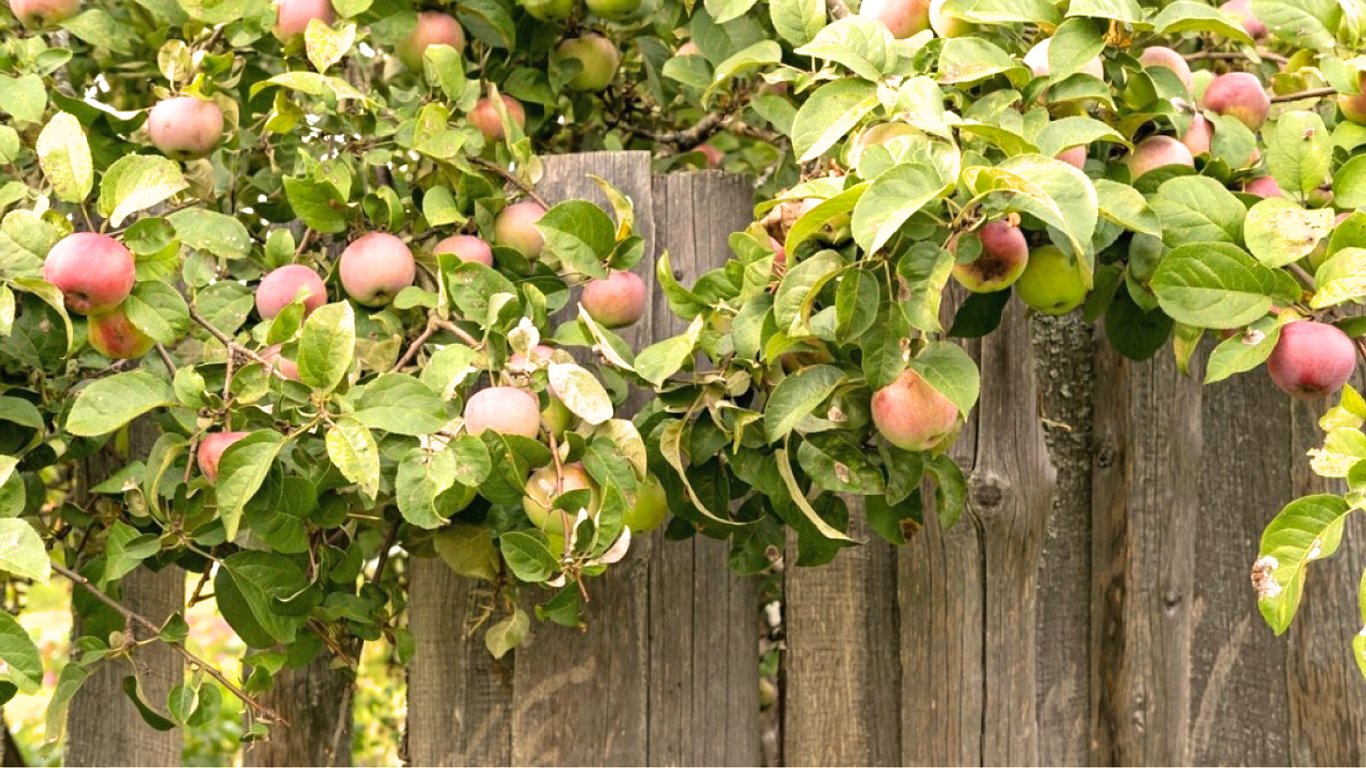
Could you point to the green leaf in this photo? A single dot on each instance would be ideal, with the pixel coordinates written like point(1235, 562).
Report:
point(113, 401)
point(150, 716)
point(353, 451)
point(326, 45)
point(1213, 285)
point(1125, 206)
point(327, 346)
point(950, 490)
point(241, 470)
point(24, 98)
point(1075, 43)
point(211, 232)
point(863, 45)
point(249, 587)
point(890, 201)
point(468, 550)
point(1307, 529)
point(1279, 232)
point(1051, 190)
point(580, 235)
point(1196, 209)
point(402, 405)
point(799, 498)
point(443, 67)
point(1243, 351)
point(21, 550)
point(125, 549)
point(663, 359)
point(1126, 11)
point(581, 392)
point(312, 84)
point(318, 204)
point(422, 476)
point(967, 60)
point(64, 156)
point(159, 311)
point(797, 396)
point(829, 113)
point(1349, 183)
point(137, 182)
point(1299, 152)
point(796, 295)
point(1341, 278)
point(1293, 23)
point(1189, 16)
point(947, 368)
point(23, 665)
point(507, 633)
point(181, 702)
point(797, 21)
point(528, 555)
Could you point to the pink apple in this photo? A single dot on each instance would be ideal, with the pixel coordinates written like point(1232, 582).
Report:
point(515, 227)
point(485, 117)
point(292, 16)
point(279, 288)
point(466, 248)
point(113, 335)
point(432, 28)
point(912, 415)
point(375, 267)
point(185, 128)
point(505, 410)
point(211, 448)
point(615, 301)
point(94, 272)
point(1311, 359)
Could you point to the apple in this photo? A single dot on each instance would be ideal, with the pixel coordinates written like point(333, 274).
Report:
point(515, 227)
point(651, 507)
point(1161, 56)
point(615, 301)
point(599, 57)
point(292, 16)
point(912, 415)
point(185, 128)
point(375, 267)
point(1157, 152)
point(902, 18)
point(543, 487)
point(1241, 11)
point(36, 14)
point(779, 255)
point(485, 117)
point(1239, 95)
point(1051, 283)
point(539, 358)
point(466, 248)
point(280, 365)
point(94, 272)
point(211, 448)
point(713, 155)
point(278, 289)
point(556, 417)
point(548, 10)
point(1264, 187)
point(505, 410)
point(113, 335)
point(1353, 106)
point(1311, 359)
point(614, 10)
point(1037, 61)
point(1073, 156)
point(1001, 262)
point(432, 28)
point(688, 48)
point(1198, 135)
point(945, 25)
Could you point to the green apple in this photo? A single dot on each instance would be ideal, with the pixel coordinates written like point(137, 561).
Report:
point(1051, 282)
point(613, 9)
point(651, 507)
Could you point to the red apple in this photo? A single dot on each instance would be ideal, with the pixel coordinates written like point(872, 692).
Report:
point(912, 415)
point(1002, 260)
point(375, 267)
point(1311, 359)
point(36, 14)
point(432, 28)
point(292, 16)
point(279, 365)
point(1353, 105)
point(485, 117)
point(505, 410)
point(1241, 11)
point(211, 448)
point(94, 272)
point(615, 301)
point(184, 127)
point(1264, 187)
point(1074, 156)
point(902, 18)
point(113, 335)
point(1198, 135)
point(1239, 95)
point(278, 289)
point(1157, 152)
point(515, 227)
point(466, 248)
point(1161, 56)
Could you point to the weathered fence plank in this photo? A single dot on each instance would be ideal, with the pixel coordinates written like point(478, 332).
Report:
point(316, 700)
point(102, 725)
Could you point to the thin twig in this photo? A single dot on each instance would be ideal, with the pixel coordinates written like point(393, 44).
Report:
point(266, 713)
point(411, 352)
point(225, 339)
point(457, 331)
point(1312, 93)
point(166, 359)
point(837, 8)
point(342, 720)
point(1303, 276)
point(512, 179)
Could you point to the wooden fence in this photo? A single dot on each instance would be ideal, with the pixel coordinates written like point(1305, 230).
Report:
point(1093, 606)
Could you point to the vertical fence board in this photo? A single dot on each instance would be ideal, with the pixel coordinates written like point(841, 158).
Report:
point(1065, 376)
point(704, 676)
point(1327, 697)
point(1145, 505)
point(315, 699)
point(102, 725)
point(1238, 694)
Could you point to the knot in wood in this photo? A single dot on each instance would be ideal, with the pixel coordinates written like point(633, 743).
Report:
point(988, 490)
point(1106, 455)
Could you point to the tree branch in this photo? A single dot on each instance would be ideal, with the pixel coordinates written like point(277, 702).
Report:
point(266, 713)
point(225, 339)
point(512, 179)
point(1312, 93)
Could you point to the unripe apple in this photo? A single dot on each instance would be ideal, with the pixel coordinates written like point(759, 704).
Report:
point(280, 365)
point(1239, 95)
point(1264, 187)
point(1001, 262)
point(1051, 283)
point(615, 10)
point(1241, 11)
point(466, 248)
point(433, 28)
point(185, 128)
point(1074, 156)
point(375, 267)
point(1157, 152)
point(912, 415)
point(1037, 61)
point(651, 507)
point(485, 117)
point(211, 448)
point(292, 16)
point(1161, 56)
point(615, 301)
point(1311, 359)
point(113, 335)
point(36, 14)
point(548, 10)
point(1353, 106)
point(556, 417)
point(1198, 135)
point(505, 410)
point(543, 487)
point(945, 25)
point(902, 18)
point(94, 272)
point(515, 227)
point(599, 57)
point(278, 289)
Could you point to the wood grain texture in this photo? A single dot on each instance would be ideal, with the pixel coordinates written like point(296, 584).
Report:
point(1145, 502)
point(103, 727)
point(703, 644)
point(313, 698)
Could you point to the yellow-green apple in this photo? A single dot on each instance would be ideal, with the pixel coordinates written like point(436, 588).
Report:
point(615, 10)
point(945, 25)
point(515, 227)
point(548, 10)
point(1157, 152)
point(279, 288)
point(615, 301)
point(1311, 359)
point(184, 127)
point(1001, 262)
point(911, 414)
point(1051, 283)
point(1353, 105)
point(432, 28)
point(94, 272)
point(375, 267)
point(211, 448)
point(598, 56)
point(651, 507)
point(466, 248)
point(1239, 95)
point(505, 410)
point(544, 487)
point(113, 335)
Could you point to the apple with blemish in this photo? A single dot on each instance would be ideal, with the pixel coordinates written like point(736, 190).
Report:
point(185, 128)
point(912, 415)
point(279, 288)
point(505, 410)
point(113, 335)
point(94, 272)
point(1002, 259)
point(375, 267)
